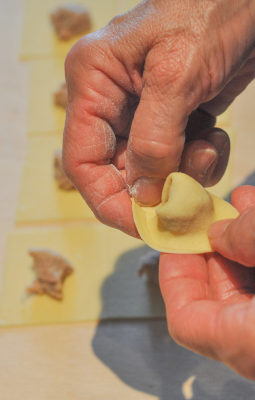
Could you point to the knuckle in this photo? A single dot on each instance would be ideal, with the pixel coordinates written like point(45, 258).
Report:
point(86, 52)
point(147, 149)
point(156, 157)
point(157, 146)
point(164, 72)
point(170, 61)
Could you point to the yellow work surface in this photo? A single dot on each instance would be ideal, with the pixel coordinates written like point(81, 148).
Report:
point(123, 6)
point(58, 362)
point(104, 284)
point(39, 39)
point(224, 120)
point(44, 117)
point(40, 198)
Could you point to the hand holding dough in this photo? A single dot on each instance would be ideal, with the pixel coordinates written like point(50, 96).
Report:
point(179, 224)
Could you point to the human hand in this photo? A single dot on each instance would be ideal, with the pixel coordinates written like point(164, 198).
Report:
point(209, 299)
point(143, 96)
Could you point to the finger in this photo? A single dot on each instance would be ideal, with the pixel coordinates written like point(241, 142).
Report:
point(220, 140)
point(190, 308)
point(235, 239)
point(196, 321)
point(199, 159)
point(230, 282)
point(183, 278)
point(119, 158)
point(97, 109)
point(227, 243)
point(158, 131)
point(243, 197)
point(234, 87)
point(206, 160)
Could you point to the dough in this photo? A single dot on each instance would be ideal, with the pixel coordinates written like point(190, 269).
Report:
point(40, 198)
point(51, 269)
point(45, 117)
point(179, 224)
point(70, 20)
point(104, 284)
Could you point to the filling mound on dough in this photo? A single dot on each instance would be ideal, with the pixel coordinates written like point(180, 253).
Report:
point(179, 224)
point(51, 270)
point(70, 20)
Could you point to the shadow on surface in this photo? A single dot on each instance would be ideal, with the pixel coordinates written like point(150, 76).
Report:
point(141, 352)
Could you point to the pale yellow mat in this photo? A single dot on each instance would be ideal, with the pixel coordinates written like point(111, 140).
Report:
point(123, 6)
point(40, 199)
point(224, 120)
point(44, 117)
point(105, 282)
point(39, 39)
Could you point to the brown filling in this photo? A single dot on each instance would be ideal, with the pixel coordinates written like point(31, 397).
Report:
point(51, 270)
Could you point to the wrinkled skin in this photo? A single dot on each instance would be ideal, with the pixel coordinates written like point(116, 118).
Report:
point(209, 298)
point(143, 94)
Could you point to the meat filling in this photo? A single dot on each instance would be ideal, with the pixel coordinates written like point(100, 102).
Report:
point(51, 270)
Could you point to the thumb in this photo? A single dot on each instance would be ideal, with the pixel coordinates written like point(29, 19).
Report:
point(170, 93)
point(235, 238)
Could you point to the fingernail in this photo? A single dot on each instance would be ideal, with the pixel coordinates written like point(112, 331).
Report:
point(201, 160)
point(219, 140)
point(147, 191)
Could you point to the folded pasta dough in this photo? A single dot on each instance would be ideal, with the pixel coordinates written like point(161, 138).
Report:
point(179, 224)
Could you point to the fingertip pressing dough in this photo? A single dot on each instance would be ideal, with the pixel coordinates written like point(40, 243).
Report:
point(179, 224)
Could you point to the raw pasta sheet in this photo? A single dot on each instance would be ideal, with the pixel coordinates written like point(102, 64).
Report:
point(39, 39)
point(40, 199)
point(224, 120)
point(44, 117)
point(105, 283)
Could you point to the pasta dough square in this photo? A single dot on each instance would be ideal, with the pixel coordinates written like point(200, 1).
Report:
point(40, 198)
point(224, 120)
point(105, 283)
point(44, 117)
point(39, 39)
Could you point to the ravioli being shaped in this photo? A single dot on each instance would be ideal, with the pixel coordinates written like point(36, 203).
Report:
point(179, 224)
